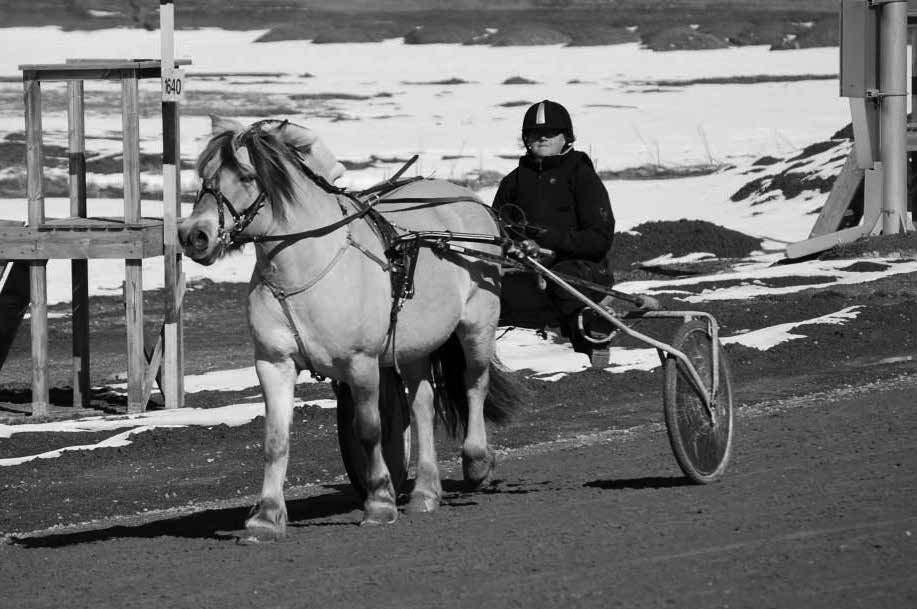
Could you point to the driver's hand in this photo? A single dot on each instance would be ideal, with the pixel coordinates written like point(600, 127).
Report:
point(529, 247)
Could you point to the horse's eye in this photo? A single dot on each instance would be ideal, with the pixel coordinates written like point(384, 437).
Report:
point(246, 179)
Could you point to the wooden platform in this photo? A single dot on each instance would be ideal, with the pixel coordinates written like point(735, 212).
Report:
point(96, 69)
point(82, 238)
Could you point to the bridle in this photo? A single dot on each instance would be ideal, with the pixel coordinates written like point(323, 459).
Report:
point(230, 236)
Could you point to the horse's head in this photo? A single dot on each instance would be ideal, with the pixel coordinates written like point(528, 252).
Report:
point(247, 180)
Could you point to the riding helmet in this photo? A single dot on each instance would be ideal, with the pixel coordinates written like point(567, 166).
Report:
point(548, 114)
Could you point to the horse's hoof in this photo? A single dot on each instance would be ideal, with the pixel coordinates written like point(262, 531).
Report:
point(478, 470)
point(422, 503)
point(378, 514)
point(261, 532)
point(268, 522)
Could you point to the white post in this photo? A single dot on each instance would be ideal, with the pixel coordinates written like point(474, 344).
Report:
point(893, 113)
point(171, 81)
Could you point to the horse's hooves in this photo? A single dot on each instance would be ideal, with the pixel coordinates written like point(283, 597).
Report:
point(260, 532)
point(422, 504)
point(267, 523)
point(378, 514)
point(478, 470)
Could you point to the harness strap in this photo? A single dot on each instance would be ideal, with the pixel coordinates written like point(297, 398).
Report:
point(386, 267)
point(315, 232)
point(291, 318)
point(282, 294)
point(425, 202)
point(431, 200)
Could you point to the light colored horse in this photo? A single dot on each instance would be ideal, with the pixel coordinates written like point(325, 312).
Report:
point(320, 298)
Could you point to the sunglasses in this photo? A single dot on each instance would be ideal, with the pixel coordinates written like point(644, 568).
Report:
point(537, 134)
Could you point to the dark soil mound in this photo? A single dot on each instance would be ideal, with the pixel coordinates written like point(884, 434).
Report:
point(598, 34)
point(733, 32)
point(683, 38)
point(361, 33)
point(794, 179)
point(903, 245)
point(525, 34)
point(865, 267)
point(519, 80)
point(679, 238)
point(790, 183)
point(444, 34)
point(752, 33)
point(824, 33)
point(766, 160)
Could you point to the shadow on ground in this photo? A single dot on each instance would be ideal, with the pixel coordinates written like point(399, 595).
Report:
point(207, 524)
point(640, 483)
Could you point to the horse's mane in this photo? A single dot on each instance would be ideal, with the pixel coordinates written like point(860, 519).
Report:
point(270, 156)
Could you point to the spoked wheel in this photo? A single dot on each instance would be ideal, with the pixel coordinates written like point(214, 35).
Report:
point(702, 444)
point(396, 433)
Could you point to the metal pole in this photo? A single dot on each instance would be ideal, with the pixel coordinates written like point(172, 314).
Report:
point(893, 113)
point(912, 154)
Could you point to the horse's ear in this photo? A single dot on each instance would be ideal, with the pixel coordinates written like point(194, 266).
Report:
point(315, 152)
point(221, 124)
point(297, 136)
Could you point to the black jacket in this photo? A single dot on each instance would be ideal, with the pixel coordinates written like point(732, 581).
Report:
point(563, 195)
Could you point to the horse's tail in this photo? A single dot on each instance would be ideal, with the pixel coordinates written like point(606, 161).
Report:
point(504, 398)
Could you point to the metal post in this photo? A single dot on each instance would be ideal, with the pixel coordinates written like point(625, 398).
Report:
point(893, 113)
point(912, 154)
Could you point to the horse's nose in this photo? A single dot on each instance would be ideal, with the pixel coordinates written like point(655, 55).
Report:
point(192, 237)
point(198, 240)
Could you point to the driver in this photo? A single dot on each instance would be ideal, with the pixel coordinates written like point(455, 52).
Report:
point(567, 210)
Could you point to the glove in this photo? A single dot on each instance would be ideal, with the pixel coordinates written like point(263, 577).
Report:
point(528, 247)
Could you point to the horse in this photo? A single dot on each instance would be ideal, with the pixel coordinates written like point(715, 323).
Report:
point(322, 298)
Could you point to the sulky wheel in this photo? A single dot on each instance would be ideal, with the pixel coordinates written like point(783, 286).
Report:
point(702, 444)
point(396, 433)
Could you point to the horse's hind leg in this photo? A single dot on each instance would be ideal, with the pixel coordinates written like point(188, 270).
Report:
point(278, 379)
point(363, 378)
point(476, 333)
point(427, 488)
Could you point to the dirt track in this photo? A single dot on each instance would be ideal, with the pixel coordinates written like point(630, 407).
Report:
point(816, 511)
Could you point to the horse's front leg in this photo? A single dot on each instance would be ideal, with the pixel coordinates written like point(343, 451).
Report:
point(278, 380)
point(363, 378)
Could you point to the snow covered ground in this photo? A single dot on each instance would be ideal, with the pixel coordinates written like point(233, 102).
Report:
point(621, 119)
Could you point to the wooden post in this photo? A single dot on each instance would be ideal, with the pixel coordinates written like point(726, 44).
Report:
point(133, 268)
point(38, 287)
point(845, 188)
point(79, 268)
point(171, 83)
